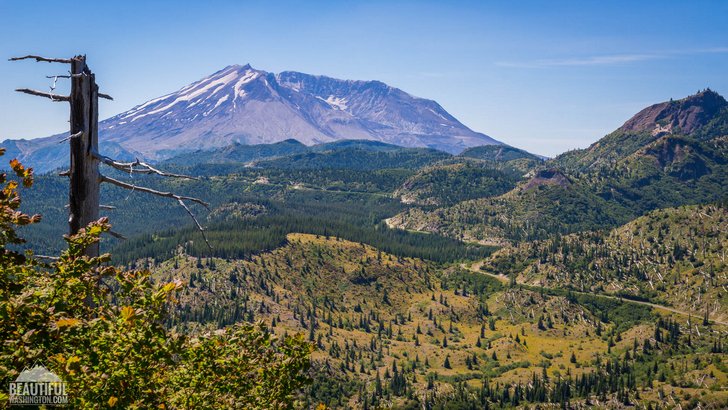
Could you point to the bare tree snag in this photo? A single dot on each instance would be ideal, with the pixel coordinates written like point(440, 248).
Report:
point(85, 179)
point(84, 189)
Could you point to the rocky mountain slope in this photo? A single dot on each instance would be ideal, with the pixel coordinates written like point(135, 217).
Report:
point(701, 116)
point(242, 105)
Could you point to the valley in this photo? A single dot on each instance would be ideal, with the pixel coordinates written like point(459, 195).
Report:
point(492, 278)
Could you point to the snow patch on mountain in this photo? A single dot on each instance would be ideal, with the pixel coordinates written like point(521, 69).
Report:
point(336, 102)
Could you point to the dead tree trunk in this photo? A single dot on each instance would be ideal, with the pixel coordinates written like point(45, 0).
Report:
point(85, 178)
point(85, 181)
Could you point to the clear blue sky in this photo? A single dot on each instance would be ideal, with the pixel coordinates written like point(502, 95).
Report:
point(545, 76)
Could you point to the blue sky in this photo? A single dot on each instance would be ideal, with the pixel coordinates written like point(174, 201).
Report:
point(545, 76)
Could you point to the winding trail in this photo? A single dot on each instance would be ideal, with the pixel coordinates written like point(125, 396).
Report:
point(475, 267)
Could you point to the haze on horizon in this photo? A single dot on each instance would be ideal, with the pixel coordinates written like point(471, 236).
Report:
point(546, 79)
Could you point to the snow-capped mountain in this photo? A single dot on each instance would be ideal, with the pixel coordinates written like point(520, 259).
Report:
point(240, 104)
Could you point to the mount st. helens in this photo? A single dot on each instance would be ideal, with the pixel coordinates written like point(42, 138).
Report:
point(240, 104)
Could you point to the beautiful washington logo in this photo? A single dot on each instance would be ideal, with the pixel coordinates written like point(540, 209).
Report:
point(38, 386)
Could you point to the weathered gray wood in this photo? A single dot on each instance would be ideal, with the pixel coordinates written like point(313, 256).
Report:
point(41, 58)
point(52, 97)
point(137, 167)
point(83, 196)
point(133, 187)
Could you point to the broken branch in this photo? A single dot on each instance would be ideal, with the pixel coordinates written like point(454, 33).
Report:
point(76, 135)
point(199, 227)
point(53, 97)
point(40, 58)
point(105, 96)
point(132, 187)
point(179, 199)
point(129, 167)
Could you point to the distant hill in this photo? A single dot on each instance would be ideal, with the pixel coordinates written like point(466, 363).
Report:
point(670, 154)
point(239, 153)
point(345, 154)
point(702, 116)
point(667, 264)
point(499, 153)
point(357, 157)
point(505, 156)
point(242, 105)
point(457, 180)
point(361, 144)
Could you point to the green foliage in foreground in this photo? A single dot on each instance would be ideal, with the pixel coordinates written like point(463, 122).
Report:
point(102, 331)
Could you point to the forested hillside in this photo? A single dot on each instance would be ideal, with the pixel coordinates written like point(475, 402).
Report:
point(452, 182)
point(674, 257)
point(403, 332)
